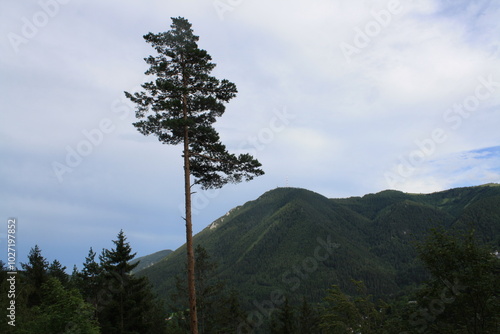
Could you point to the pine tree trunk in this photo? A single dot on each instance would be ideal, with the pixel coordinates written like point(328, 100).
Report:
point(189, 229)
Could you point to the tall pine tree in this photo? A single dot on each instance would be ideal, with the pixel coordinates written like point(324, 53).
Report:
point(179, 106)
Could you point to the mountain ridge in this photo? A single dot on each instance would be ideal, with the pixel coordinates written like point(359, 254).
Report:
point(149, 260)
point(257, 244)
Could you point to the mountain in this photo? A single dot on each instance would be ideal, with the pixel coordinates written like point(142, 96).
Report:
point(149, 260)
point(298, 243)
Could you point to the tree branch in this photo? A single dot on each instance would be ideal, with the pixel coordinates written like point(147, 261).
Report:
point(212, 159)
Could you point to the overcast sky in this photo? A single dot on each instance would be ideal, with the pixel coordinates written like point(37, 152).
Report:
point(342, 97)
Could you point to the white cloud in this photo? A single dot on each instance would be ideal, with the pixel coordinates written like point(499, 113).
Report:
point(352, 120)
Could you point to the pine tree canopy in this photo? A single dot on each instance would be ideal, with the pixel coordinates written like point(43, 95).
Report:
point(183, 96)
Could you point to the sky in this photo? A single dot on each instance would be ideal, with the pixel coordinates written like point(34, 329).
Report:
point(340, 97)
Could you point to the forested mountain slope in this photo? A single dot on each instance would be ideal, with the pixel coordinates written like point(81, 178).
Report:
point(149, 260)
point(300, 243)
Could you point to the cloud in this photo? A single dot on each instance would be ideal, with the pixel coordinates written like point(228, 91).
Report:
point(456, 170)
point(353, 119)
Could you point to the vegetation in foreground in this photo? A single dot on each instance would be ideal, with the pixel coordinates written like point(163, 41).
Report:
point(102, 298)
point(462, 295)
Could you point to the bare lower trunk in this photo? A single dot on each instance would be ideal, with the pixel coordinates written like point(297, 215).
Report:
point(189, 237)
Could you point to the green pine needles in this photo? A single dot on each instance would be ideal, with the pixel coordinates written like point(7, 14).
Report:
point(182, 103)
point(180, 106)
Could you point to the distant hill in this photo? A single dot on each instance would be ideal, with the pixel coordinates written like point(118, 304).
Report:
point(149, 260)
point(300, 243)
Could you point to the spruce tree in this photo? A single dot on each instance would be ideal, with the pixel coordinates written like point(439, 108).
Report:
point(91, 281)
point(58, 271)
point(308, 319)
point(3, 268)
point(209, 290)
point(130, 306)
point(36, 274)
point(75, 279)
point(230, 315)
point(180, 106)
point(284, 320)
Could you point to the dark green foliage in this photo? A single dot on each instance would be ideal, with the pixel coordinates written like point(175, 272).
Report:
point(208, 291)
point(340, 314)
point(75, 281)
point(357, 314)
point(463, 294)
point(5, 299)
point(130, 306)
point(309, 319)
point(272, 242)
point(36, 274)
point(91, 282)
point(230, 315)
point(3, 269)
point(104, 297)
point(180, 105)
point(61, 311)
point(284, 319)
point(183, 96)
point(271, 245)
point(58, 271)
point(218, 311)
point(149, 260)
point(45, 303)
